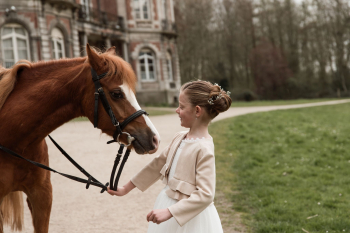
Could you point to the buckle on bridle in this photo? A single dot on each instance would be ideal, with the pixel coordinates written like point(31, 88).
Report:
point(130, 139)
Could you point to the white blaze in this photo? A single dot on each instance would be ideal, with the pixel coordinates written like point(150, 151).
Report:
point(130, 96)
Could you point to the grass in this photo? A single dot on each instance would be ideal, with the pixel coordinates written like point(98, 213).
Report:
point(80, 119)
point(288, 170)
point(278, 102)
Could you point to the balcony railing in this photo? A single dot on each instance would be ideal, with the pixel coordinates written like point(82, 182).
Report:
point(168, 27)
point(63, 4)
point(93, 15)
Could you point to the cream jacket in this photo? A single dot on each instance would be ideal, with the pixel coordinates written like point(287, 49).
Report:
point(193, 183)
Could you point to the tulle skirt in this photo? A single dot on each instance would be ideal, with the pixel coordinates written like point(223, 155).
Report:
point(207, 221)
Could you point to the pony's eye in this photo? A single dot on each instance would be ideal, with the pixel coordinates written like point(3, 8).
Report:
point(116, 95)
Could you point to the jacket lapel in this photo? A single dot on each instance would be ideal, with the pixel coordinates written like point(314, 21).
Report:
point(170, 161)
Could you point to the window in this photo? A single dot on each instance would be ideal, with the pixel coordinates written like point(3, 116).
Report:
point(147, 65)
point(57, 45)
point(141, 9)
point(85, 8)
point(14, 39)
point(169, 66)
point(164, 8)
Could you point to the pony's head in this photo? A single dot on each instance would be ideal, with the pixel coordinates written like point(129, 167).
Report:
point(119, 87)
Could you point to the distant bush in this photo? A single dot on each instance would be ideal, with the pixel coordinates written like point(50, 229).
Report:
point(247, 95)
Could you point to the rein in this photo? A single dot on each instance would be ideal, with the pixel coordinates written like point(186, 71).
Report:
point(99, 94)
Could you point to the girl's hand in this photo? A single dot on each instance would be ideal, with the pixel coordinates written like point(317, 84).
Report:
point(121, 191)
point(159, 216)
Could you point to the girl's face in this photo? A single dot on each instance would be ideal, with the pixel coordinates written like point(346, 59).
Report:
point(186, 111)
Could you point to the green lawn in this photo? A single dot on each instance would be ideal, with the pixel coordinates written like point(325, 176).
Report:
point(288, 170)
point(278, 102)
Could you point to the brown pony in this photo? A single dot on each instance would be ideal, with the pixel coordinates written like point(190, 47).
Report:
point(37, 98)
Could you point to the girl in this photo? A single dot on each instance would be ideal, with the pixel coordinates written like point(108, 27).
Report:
point(186, 166)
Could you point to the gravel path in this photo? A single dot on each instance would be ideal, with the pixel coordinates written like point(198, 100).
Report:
point(76, 209)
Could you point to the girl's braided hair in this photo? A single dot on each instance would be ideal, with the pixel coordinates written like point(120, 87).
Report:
point(208, 96)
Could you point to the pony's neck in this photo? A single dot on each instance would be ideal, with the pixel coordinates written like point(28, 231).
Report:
point(45, 97)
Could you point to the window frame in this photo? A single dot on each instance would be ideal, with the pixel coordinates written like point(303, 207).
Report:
point(164, 8)
point(14, 36)
point(86, 4)
point(169, 65)
point(141, 11)
point(55, 40)
point(146, 56)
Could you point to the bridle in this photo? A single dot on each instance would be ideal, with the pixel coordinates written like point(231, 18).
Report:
point(99, 94)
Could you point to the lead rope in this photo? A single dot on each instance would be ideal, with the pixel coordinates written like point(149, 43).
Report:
point(91, 180)
point(99, 93)
point(116, 162)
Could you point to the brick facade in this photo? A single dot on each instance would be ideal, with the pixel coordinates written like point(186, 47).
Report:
point(102, 24)
point(128, 10)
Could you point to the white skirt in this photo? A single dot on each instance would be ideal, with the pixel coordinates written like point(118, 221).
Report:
point(207, 221)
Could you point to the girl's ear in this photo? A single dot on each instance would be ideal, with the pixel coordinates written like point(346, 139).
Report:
point(199, 111)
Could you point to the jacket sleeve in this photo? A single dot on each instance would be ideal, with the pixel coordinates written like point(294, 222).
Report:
point(151, 172)
point(186, 209)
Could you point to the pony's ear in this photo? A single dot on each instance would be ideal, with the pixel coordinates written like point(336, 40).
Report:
point(111, 50)
point(95, 60)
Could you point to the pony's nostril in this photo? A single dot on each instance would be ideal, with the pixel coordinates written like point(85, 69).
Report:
point(155, 142)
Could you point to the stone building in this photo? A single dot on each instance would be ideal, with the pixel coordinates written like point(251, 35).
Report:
point(143, 32)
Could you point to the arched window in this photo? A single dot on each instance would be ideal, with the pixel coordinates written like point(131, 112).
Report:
point(169, 66)
point(57, 44)
point(147, 65)
point(141, 9)
point(15, 44)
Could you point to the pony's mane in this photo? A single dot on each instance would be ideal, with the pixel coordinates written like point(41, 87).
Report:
point(116, 67)
point(8, 79)
point(39, 64)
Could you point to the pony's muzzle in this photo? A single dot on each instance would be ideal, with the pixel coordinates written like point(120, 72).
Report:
point(155, 144)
